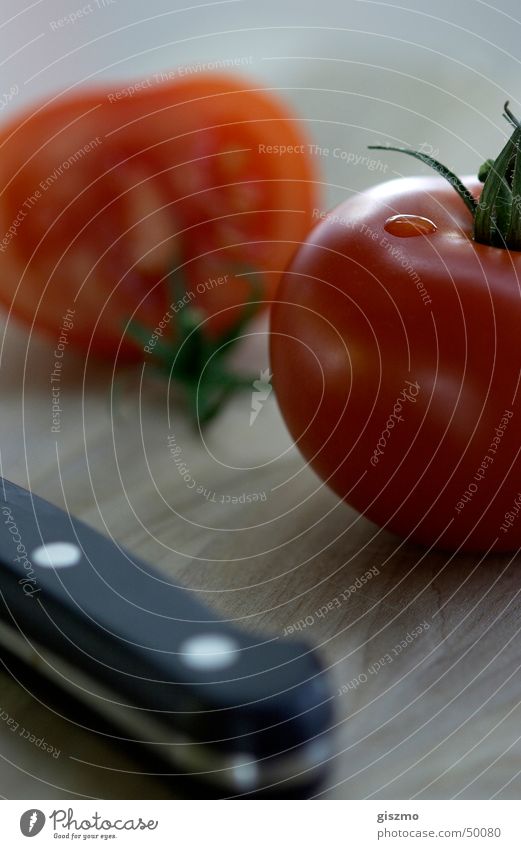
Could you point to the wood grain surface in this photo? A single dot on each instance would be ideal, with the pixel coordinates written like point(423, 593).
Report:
point(424, 653)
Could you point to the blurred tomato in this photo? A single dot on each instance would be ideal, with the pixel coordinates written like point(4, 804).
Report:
point(106, 191)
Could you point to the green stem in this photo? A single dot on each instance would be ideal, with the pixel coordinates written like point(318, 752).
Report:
point(497, 216)
point(195, 361)
point(492, 218)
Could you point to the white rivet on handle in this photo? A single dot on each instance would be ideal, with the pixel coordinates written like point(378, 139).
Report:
point(56, 555)
point(209, 651)
point(245, 772)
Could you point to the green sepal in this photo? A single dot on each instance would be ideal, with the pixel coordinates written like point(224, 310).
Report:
point(192, 359)
point(497, 215)
point(485, 169)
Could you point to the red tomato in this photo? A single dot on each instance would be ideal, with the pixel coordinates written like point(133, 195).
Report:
point(104, 192)
point(396, 362)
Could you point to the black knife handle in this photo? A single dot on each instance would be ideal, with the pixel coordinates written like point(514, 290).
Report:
point(237, 708)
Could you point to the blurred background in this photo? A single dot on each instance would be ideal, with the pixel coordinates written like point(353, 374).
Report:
point(356, 71)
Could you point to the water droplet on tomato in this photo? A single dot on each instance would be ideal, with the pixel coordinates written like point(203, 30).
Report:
point(409, 225)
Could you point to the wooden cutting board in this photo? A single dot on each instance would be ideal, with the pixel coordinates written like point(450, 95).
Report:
point(423, 648)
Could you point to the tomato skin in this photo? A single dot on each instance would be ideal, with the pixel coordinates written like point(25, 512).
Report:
point(359, 313)
point(159, 186)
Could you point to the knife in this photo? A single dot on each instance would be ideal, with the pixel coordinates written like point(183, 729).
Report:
point(238, 712)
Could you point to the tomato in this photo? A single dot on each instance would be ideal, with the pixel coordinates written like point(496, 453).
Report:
point(103, 193)
point(396, 362)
